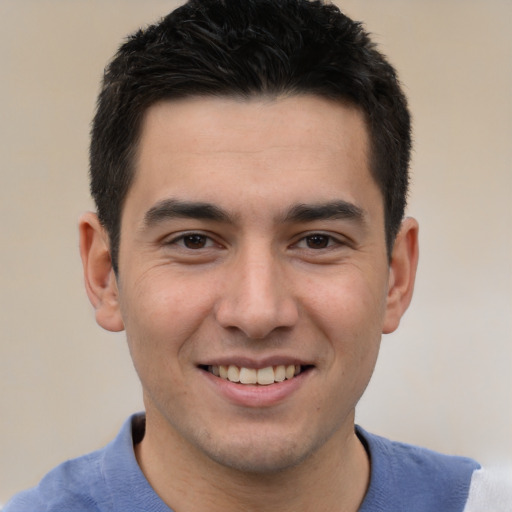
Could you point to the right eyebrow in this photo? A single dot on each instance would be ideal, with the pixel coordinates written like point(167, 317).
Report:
point(174, 208)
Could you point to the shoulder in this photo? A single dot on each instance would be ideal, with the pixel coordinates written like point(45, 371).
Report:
point(103, 481)
point(419, 460)
point(88, 483)
point(408, 477)
point(73, 485)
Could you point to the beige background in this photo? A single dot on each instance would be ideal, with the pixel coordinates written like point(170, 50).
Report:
point(444, 380)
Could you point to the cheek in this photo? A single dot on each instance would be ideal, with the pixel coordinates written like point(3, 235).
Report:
point(348, 303)
point(350, 312)
point(162, 314)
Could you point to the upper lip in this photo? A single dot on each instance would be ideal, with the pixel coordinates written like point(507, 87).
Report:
point(256, 363)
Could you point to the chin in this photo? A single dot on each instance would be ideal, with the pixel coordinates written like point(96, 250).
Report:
point(260, 454)
point(258, 460)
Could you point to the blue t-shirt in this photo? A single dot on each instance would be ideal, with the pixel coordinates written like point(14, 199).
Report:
point(404, 478)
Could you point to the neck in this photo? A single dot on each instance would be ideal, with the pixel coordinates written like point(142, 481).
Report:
point(334, 478)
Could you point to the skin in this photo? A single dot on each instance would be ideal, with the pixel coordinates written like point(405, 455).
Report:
point(257, 284)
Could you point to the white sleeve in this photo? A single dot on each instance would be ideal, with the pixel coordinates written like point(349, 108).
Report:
point(490, 491)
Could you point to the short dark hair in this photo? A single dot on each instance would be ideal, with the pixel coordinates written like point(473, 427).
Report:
point(246, 48)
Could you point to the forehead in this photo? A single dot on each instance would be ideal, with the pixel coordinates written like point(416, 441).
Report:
point(307, 147)
point(253, 123)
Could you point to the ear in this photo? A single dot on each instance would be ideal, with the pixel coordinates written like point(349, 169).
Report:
point(99, 276)
point(402, 273)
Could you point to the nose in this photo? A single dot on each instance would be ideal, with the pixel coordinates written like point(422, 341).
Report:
point(255, 298)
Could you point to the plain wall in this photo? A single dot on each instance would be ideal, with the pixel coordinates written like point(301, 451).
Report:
point(444, 380)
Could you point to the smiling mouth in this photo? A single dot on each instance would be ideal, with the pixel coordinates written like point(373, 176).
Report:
point(252, 376)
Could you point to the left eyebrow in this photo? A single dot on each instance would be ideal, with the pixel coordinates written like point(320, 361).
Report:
point(326, 211)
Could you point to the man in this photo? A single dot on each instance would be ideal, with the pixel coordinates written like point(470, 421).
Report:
point(249, 163)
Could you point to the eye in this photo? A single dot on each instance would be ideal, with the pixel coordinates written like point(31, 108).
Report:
point(317, 241)
point(193, 241)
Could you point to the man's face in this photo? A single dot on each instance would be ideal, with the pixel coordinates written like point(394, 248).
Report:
point(253, 239)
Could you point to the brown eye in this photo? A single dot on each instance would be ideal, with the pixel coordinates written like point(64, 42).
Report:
point(195, 241)
point(317, 241)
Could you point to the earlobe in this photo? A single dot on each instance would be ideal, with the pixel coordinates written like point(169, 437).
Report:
point(99, 277)
point(402, 274)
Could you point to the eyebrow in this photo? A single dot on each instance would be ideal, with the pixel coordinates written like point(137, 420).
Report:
point(325, 211)
point(173, 208)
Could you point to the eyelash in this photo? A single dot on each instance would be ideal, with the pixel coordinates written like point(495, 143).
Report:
point(330, 240)
point(180, 240)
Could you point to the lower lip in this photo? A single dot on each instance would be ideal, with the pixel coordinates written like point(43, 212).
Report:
point(248, 395)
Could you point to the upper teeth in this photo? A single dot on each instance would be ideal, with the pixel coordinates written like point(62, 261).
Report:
point(262, 376)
